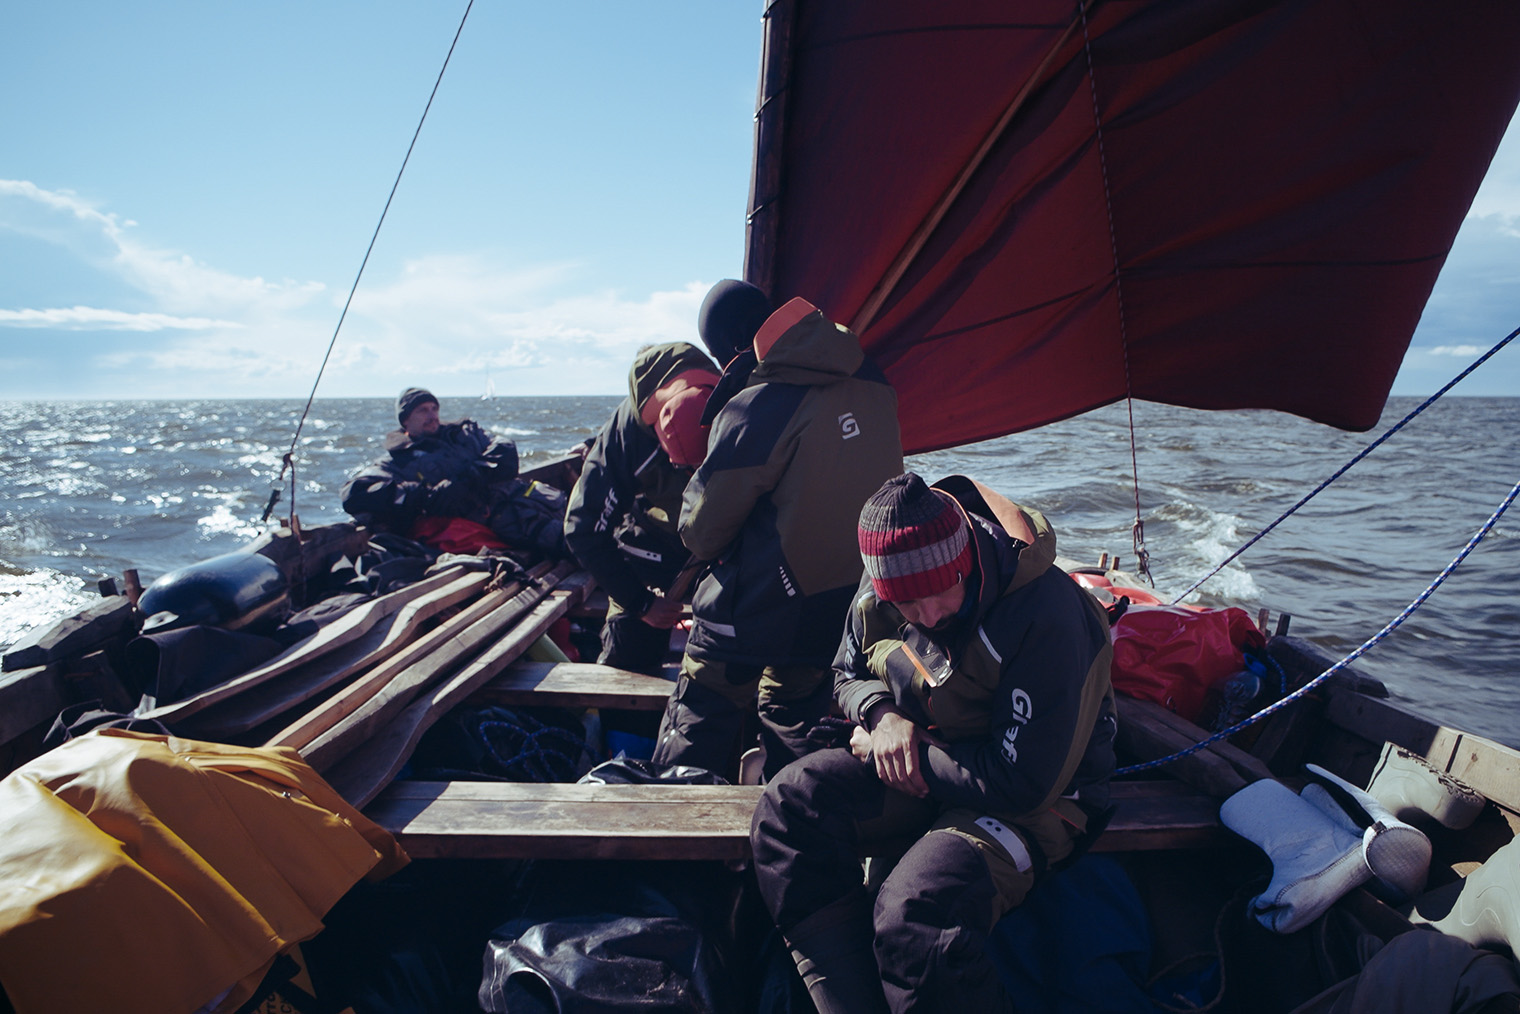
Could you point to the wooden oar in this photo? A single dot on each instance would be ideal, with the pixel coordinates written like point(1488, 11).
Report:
point(372, 765)
point(343, 737)
point(309, 726)
point(335, 635)
point(259, 704)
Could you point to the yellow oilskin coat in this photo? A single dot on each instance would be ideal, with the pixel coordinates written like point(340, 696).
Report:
point(145, 873)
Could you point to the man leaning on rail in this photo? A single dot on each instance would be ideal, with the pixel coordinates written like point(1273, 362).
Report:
point(978, 675)
point(434, 473)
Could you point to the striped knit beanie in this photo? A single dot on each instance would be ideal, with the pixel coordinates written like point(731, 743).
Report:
point(913, 540)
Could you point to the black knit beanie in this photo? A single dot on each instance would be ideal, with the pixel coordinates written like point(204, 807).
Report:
point(410, 399)
point(731, 314)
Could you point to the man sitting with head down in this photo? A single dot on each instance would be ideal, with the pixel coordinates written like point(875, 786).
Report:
point(978, 676)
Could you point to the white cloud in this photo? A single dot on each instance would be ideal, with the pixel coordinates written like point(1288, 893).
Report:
point(82, 318)
point(178, 283)
point(445, 321)
point(1500, 192)
point(1465, 351)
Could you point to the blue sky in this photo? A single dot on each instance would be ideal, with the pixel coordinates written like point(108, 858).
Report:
point(187, 189)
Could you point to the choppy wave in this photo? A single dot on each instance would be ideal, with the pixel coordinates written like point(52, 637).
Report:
point(89, 489)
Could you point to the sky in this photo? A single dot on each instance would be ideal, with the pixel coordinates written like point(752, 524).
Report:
point(187, 191)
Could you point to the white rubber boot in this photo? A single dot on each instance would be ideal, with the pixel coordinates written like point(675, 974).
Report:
point(1315, 859)
point(1408, 785)
point(1487, 911)
point(1398, 854)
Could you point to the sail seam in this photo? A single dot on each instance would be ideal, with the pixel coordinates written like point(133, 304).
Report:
point(1142, 556)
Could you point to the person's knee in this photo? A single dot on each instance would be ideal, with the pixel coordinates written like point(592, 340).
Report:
point(941, 883)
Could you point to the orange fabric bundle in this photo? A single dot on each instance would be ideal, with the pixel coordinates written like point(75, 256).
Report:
point(148, 873)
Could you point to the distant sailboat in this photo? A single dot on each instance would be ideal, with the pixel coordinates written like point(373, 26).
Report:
point(490, 389)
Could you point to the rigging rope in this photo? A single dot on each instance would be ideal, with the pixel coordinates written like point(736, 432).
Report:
point(1137, 531)
point(1347, 466)
point(288, 460)
point(1360, 650)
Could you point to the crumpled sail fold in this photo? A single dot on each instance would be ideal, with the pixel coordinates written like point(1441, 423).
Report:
point(1258, 223)
point(148, 873)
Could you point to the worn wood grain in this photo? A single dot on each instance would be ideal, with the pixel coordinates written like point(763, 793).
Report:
point(371, 716)
point(29, 697)
point(86, 631)
point(1145, 735)
point(344, 630)
point(512, 820)
point(575, 685)
point(499, 820)
point(370, 765)
point(306, 728)
point(259, 704)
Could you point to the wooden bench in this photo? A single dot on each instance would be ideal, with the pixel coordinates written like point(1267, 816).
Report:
point(509, 820)
point(527, 684)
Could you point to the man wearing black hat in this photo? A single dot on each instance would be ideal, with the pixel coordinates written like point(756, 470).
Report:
point(438, 470)
point(790, 460)
point(978, 676)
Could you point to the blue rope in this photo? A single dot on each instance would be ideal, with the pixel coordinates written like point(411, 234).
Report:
point(1347, 466)
point(1362, 649)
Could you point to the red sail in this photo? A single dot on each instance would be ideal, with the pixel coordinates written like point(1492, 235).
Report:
point(1028, 212)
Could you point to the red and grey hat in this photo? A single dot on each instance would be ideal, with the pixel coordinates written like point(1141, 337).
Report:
point(914, 540)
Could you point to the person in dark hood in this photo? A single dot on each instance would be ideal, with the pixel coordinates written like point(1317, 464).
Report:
point(433, 471)
point(730, 315)
point(977, 675)
point(773, 506)
point(623, 511)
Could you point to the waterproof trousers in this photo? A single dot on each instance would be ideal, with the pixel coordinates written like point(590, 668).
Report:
point(707, 710)
point(630, 643)
point(960, 873)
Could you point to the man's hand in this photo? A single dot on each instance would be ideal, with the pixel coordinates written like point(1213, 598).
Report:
point(663, 613)
point(894, 747)
point(449, 499)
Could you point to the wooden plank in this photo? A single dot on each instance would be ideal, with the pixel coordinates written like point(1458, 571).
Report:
point(1158, 815)
point(511, 820)
point(532, 821)
point(29, 697)
point(1250, 767)
point(1145, 736)
point(1491, 768)
point(257, 705)
point(575, 685)
point(89, 629)
point(347, 628)
point(309, 726)
point(370, 766)
point(326, 749)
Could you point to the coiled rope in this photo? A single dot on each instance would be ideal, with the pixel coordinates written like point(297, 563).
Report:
point(1348, 465)
point(1360, 650)
point(288, 461)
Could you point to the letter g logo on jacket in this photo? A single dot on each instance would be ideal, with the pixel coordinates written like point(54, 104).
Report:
point(848, 426)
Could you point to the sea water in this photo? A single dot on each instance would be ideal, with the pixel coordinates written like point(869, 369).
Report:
point(89, 489)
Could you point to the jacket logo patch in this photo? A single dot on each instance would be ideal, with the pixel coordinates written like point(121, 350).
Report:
point(1023, 709)
point(848, 427)
point(786, 582)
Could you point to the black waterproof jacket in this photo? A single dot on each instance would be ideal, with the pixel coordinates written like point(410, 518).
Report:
point(621, 522)
point(775, 504)
point(1018, 688)
point(393, 492)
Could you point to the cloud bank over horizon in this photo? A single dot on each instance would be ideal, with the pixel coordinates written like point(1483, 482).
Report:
point(178, 327)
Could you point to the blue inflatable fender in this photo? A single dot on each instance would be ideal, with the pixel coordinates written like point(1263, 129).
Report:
point(234, 591)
